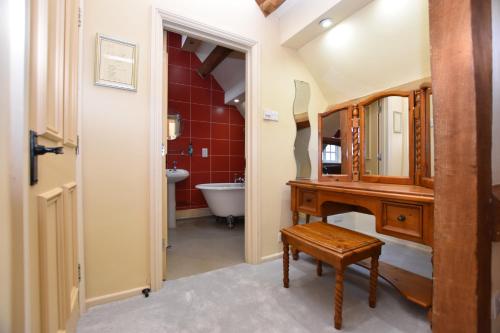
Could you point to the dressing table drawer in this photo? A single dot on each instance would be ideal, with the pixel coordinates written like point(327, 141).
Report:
point(307, 201)
point(402, 220)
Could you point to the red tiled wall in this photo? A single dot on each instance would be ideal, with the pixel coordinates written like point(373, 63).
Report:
point(207, 123)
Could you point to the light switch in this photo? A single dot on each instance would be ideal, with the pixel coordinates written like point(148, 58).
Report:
point(270, 115)
point(204, 152)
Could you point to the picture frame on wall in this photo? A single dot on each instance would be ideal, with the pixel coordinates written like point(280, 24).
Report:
point(116, 63)
point(396, 121)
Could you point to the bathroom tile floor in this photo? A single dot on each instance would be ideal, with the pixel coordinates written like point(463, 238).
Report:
point(203, 244)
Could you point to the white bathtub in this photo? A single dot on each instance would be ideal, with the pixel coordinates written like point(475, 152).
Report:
point(224, 199)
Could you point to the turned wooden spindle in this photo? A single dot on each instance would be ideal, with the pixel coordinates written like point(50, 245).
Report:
point(355, 143)
point(286, 263)
point(372, 299)
point(339, 297)
point(418, 137)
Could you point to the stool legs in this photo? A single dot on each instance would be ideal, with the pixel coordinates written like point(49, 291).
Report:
point(286, 263)
point(319, 267)
point(295, 254)
point(339, 297)
point(372, 299)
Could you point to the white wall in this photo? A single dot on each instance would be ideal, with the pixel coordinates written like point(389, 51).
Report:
point(116, 135)
point(385, 44)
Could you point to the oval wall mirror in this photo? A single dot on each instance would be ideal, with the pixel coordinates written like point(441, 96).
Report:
point(301, 117)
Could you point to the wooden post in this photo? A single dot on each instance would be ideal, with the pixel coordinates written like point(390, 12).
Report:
point(460, 34)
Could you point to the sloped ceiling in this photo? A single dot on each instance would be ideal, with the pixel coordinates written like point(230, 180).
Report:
point(230, 74)
point(382, 45)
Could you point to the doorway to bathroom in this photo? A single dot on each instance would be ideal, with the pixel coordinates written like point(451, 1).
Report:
point(204, 111)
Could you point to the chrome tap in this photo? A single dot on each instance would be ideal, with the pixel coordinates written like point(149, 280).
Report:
point(175, 165)
point(238, 179)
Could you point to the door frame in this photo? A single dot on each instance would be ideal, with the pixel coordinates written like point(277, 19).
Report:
point(163, 19)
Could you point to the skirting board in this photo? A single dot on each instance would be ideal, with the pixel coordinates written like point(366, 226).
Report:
point(271, 257)
point(192, 213)
point(114, 296)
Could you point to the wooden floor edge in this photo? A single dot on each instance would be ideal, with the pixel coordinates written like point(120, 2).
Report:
point(419, 291)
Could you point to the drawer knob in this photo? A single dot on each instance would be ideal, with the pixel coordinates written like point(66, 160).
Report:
point(308, 200)
point(401, 218)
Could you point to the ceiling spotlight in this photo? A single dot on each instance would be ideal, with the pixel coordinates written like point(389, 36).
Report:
point(236, 100)
point(326, 23)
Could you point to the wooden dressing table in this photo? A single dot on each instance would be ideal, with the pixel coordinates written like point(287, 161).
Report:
point(402, 206)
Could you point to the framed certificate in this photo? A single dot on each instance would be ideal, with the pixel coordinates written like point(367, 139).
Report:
point(116, 63)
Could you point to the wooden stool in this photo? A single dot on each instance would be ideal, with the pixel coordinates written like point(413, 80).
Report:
point(336, 246)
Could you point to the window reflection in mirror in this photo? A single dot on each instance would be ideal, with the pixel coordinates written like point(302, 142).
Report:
point(301, 117)
point(386, 138)
point(334, 143)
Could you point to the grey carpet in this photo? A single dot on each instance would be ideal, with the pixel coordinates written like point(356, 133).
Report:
point(250, 298)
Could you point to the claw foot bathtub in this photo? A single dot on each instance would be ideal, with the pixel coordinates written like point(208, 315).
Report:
point(225, 199)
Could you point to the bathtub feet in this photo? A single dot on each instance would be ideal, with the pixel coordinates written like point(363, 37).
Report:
point(230, 221)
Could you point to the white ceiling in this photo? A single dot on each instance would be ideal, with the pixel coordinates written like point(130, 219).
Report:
point(298, 19)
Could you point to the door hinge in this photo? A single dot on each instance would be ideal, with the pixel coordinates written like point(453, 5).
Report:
point(77, 148)
point(79, 273)
point(79, 17)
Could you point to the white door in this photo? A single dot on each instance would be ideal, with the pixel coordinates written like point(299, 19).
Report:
point(53, 245)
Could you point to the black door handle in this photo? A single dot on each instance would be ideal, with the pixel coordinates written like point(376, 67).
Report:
point(42, 150)
point(35, 151)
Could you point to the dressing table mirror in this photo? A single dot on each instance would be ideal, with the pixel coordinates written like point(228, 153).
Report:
point(335, 144)
point(303, 126)
point(372, 151)
point(386, 138)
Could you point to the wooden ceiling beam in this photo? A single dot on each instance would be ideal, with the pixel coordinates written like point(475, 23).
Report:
point(269, 6)
point(191, 44)
point(218, 54)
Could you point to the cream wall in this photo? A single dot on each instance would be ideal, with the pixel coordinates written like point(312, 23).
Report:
point(13, 179)
point(5, 216)
point(115, 142)
point(115, 135)
point(385, 44)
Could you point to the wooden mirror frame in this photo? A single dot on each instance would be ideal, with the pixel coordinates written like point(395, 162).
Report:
point(411, 138)
point(340, 177)
point(426, 179)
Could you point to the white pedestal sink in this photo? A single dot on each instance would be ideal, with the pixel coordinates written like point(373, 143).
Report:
point(173, 176)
